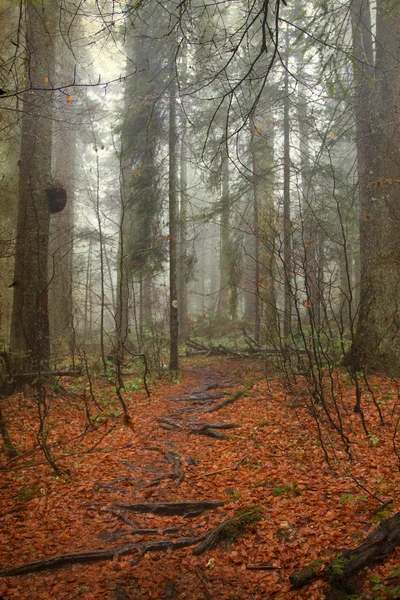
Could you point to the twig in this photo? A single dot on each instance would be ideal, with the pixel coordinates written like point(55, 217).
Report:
point(238, 464)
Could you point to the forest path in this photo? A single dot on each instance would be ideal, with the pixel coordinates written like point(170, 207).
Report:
point(167, 450)
point(142, 505)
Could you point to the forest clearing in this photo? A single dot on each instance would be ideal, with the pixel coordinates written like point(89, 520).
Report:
point(266, 458)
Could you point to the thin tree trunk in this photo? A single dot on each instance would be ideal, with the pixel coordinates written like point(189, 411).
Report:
point(102, 267)
point(87, 321)
point(173, 233)
point(287, 226)
point(224, 260)
point(183, 277)
point(61, 243)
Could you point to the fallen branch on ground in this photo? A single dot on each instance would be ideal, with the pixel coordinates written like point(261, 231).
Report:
point(238, 464)
point(342, 570)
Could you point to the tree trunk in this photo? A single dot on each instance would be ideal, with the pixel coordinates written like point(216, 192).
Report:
point(287, 226)
point(61, 242)
point(173, 233)
point(224, 257)
point(30, 338)
point(377, 341)
point(88, 316)
point(183, 275)
point(266, 318)
point(310, 225)
point(9, 155)
point(121, 311)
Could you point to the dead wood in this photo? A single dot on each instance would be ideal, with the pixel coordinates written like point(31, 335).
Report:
point(33, 376)
point(342, 570)
point(237, 465)
point(219, 350)
point(305, 575)
point(196, 345)
point(172, 508)
point(229, 529)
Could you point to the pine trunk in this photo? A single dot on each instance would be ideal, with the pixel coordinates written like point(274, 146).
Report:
point(30, 337)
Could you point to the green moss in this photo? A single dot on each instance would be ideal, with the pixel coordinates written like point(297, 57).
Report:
point(241, 520)
point(338, 566)
point(289, 490)
point(26, 492)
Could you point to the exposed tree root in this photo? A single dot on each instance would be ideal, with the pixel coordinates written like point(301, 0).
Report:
point(93, 556)
point(172, 508)
point(230, 528)
point(215, 425)
point(232, 398)
point(209, 432)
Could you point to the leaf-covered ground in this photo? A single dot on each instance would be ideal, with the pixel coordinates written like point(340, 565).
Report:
point(272, 459)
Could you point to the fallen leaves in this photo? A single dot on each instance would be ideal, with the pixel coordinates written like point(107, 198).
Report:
point(276, 463)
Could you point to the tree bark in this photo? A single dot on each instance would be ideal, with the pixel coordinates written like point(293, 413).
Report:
point(183, 271)
point(30, 337)
point(287, 226)
point(173, 232)
point(377, 91)
point(224, 257)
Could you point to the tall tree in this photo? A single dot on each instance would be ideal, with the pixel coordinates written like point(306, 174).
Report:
point(62, 223)
point(141, 247)
point(225, 238)
point(30, 339)
point(287, 226)
point(377, 92)
point(173, 229)
point(10, 66)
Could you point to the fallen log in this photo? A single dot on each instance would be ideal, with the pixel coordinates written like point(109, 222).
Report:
point(342, 571)
point(305, 575)
point(172, 508)
point(196, 345)
point(37, 375)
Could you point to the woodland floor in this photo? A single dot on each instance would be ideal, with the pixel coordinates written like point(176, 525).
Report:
point(273, 460)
